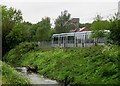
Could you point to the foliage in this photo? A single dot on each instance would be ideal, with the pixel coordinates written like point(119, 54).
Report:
point(99, 26)
point(16, 53)
point(11, 76)
point(41, 31)
point(87, 25)
point(10, 17)
point(115, 29)
point(63, 22)
point(15, 31)
point(93, 65)
point(18, 34)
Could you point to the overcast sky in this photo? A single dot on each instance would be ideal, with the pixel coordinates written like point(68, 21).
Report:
point(34, 10)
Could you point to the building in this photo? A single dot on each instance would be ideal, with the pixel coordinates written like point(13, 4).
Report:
point(75, 22)
point(80, 29)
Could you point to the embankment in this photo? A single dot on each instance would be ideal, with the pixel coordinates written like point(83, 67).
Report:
point(93, 65)
point(11, 76)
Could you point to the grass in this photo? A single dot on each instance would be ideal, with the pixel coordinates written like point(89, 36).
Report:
point(11, 76)
point(93, 65)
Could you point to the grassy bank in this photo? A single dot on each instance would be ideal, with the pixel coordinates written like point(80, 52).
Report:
point(11, 76)
point(94, 65)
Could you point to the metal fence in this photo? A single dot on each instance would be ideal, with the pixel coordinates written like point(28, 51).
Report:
point(45, 44)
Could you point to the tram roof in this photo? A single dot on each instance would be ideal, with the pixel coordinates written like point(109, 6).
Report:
point(74, 33)
point(71, 34)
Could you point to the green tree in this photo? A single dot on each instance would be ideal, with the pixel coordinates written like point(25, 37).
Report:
point(87, 25)
point(18, 34)
point(63, 22)
point(25, 27)
point(10, 17)
point(98, 27)
point(14, 37)
point(33, 30)
point(115, 30)
point(41, 31)
point(99, 24)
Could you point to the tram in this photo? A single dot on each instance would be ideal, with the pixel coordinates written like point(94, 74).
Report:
point(76, 39)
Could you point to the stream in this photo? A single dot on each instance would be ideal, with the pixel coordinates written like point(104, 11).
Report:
point(37, 79)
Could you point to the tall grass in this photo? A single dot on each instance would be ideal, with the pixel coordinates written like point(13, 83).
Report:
point(11, 76)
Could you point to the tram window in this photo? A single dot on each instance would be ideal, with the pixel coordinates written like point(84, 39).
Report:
point(61, 40)
point(55, 40)
point(70, 39)
point(90, 41)
point(101, 40)
point(79, 40)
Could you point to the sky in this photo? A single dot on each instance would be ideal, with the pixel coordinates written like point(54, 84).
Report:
point(86, 10)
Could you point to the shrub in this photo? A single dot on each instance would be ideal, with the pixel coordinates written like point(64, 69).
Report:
point(14, 56)
point(11, 76)
point(93, 65)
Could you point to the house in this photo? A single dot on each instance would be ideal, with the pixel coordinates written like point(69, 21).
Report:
point(80, 29)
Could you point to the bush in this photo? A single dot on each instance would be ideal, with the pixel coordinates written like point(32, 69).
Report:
point(11, 76)
point(15, 55)
point(93, 65)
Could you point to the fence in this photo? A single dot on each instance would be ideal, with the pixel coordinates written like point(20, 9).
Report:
point(45, 44)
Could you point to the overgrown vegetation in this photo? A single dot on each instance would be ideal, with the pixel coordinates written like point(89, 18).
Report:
point(94, 65)
point(16, 54)
point(11, 76)
point(15, 30)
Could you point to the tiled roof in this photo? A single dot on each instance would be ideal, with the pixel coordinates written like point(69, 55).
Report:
point(80, 29)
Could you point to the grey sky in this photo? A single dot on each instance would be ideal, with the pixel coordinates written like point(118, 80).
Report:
point(34, 10)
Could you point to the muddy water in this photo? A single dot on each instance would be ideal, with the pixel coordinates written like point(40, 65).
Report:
point(36, 78)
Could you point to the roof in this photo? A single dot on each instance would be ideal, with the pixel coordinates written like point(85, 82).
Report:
point(80, 29)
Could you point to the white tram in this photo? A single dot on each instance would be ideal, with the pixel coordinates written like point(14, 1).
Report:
point(75, 39)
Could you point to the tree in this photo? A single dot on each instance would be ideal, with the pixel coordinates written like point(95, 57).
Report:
point(19, 33)
point(33, 30)
point(63, 22)
point(41, 31)
point(25, 28)
point(10, 17)
point(99, 24)
point(87, 25)
point(98, 27)
point(115, 30)
point(14, 37)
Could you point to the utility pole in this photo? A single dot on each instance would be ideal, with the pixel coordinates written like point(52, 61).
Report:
point(118, 14)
